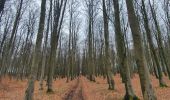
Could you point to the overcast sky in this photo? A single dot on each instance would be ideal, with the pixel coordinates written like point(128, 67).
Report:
point(84, 20)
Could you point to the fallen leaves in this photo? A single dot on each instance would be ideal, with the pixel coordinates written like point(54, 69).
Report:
point(15, 89)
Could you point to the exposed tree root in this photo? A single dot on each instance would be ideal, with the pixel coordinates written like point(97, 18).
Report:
point(129, 97)
point(50, 91)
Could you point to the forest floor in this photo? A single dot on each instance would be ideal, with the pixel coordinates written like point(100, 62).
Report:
point(79, 89)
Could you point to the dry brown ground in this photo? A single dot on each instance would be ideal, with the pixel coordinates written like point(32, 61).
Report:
point(14, 90)
point(81, 89)
point(98, 90)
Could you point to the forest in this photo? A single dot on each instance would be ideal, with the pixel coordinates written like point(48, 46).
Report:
point(84, 49)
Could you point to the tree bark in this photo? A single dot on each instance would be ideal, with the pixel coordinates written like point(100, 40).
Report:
point(122, 55)
point(151, 45)
point(107, 60)
point(58, 13)
point(36, 54)
point(159, 39)
point(147, 89)
point(44, 55)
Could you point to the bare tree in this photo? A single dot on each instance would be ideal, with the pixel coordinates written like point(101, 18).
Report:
point(121, 52)
point(74, 26)
point(147, 90)
point(59, 10)
point(151, 44)
point(44, 55)
point(36, 54)
point(107, 58)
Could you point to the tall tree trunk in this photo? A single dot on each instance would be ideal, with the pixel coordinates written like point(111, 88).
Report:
point(10, 45)
point(147, 90)
point(6, 31)
point(58, 13)
point(107, 60)
point(121, 52)
point(159, 39)
point(151, 44)
point(36, 54)
point(44, 55)
point(90, 39)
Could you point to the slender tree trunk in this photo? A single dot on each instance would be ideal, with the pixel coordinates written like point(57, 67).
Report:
point(44, 55)
point(147, 89)
point(90, 40)
point(4, 37)
point(151, 45)
point(10, 45)
point(107, 54)
point(36, 54)
point(159, 39)
point(59, 13)
point(121, 51)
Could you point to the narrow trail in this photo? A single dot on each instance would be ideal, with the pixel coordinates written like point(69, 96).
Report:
point(76, 91)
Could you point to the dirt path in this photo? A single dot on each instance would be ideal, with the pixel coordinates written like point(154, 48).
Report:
point(76, 92)
point(79, 89)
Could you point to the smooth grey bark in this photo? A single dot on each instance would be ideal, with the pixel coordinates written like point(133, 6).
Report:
point(44, 55)
point(151, 45)
point(36, 54)
point(10, 45)
point(159, 39)
point(58, 14)
point(107, 60)
point(147, 89)
point(122, 55)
